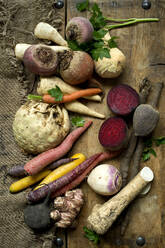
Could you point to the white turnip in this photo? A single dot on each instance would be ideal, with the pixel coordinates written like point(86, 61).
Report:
point(105, 179)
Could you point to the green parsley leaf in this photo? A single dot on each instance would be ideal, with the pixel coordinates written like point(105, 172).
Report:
point(83, 6)
point(97, 19)
point(146, 156)
point(77, 121)
point(112, 43)
point(100, 53)
point(97, 35)
point(148, 142)
point(56, 93)
point(92, 236)
point(74, 45)
point(159, 141)
point(98, 44)
point(152, 151)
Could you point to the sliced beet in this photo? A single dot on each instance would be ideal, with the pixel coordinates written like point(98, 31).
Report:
point(113, 133)
point(122, 99)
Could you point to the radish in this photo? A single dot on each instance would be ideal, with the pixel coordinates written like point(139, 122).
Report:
point(105, 179)
point(42, 160)
point(79, 29)
point(122, 99)
point(113, 133)
point(41, 60)
point(42, 192)
point(76, 67)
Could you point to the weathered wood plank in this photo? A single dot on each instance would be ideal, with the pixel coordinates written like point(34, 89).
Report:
point(143, 46)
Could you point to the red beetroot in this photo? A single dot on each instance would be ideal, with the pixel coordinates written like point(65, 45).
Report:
point(42, 160)
point(113, 133)
point(122, 99)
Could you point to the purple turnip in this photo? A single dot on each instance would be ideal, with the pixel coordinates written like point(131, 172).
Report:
point(105, 179)
point(79, 29)
point(41, 60)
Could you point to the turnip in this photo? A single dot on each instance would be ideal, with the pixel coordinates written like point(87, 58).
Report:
point(113, 133)
point(41, 60)
point(20, 49)
point(79, 29)
point(76, 67)
point(122, 99)
point(105, 179)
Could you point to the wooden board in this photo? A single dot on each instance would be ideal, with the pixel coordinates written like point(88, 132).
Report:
point(143, 45)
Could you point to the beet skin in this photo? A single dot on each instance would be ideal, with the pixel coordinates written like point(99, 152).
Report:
point(113, 133)
point(122, 99)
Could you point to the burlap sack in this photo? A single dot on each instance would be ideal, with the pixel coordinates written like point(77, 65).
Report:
point(17, 21)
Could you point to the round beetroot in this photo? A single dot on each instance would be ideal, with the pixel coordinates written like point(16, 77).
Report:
point(122, 99)
point(113, 133)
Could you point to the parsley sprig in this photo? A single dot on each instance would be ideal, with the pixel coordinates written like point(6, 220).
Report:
point(77, 121)
point(92, 236)
point(148, 149)
point(97, 48)
point(56, 93)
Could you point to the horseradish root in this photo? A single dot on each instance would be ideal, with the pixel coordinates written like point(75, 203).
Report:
point(79, 29)
point(67, 208)
point(122, 99)
point(146, 116)
point(113, 133)
point(47, 32)
point(103, 216)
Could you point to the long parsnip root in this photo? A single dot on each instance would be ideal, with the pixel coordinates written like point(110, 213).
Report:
point(47, 83)
point(80, 108)
point(103, 216)
point(45, 31)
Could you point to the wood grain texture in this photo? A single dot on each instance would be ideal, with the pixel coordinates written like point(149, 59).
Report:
point(143, 45)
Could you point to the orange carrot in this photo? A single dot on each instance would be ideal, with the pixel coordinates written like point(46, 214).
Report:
point(66, 98)
point(82, 176)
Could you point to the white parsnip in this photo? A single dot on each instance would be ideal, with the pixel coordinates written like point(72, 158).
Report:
point(47, 83)
point(80, 108)
point(20, 49)
point(104, 215)
point(46, 31)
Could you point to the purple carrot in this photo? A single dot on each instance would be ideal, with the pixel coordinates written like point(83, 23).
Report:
point(42, 192)
point(17, 171)
point(62, 161)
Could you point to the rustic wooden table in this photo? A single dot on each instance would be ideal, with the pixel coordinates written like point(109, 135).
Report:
point(143, 45)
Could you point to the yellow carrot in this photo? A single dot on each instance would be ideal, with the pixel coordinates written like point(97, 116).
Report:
point(62, 170)
point(28, 181)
